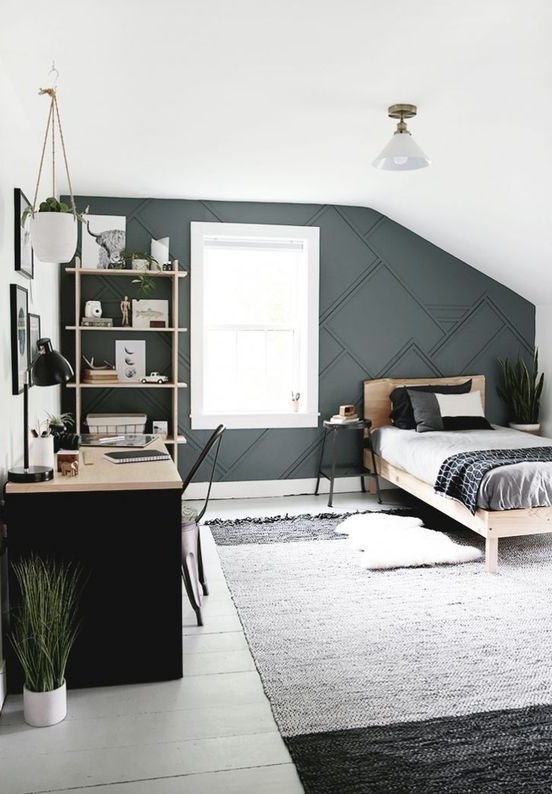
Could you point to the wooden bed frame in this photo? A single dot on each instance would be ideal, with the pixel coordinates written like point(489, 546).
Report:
point(491, 524)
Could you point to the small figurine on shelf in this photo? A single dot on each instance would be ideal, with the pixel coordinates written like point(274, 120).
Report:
point(125, 306)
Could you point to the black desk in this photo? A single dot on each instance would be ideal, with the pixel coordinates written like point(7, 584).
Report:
point(122, 524)
point(335, 429)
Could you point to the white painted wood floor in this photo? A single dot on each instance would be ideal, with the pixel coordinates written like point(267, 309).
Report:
point(210, 732)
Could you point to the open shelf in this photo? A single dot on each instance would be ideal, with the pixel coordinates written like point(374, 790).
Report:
point(122, 328)
point(91, 271)
point(82, 385)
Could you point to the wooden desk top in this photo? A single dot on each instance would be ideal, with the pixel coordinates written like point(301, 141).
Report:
point(102, 475)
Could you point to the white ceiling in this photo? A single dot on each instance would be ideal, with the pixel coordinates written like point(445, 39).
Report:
point(286, 100)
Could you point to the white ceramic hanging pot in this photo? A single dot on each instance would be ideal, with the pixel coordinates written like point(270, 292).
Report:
point(41, 709)
point(54, 236)
point(533, 428)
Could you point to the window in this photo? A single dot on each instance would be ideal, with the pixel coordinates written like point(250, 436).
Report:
point(254, 325)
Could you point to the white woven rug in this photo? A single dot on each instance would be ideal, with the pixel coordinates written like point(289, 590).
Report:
point(386, 541)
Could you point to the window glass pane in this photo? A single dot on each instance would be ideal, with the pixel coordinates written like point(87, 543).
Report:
point(254, 287)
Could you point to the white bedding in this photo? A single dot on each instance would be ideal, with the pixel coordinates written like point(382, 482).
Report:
point(517, 486)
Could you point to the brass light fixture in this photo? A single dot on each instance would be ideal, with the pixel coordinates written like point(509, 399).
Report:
point(402, 153)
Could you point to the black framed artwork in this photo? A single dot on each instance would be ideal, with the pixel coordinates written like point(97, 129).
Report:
point(23, 250)
point(19, 336)
point(34, 336)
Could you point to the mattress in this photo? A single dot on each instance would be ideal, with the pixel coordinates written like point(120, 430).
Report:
point(520, 485)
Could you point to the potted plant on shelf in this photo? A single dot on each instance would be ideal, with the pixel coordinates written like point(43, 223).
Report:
point(521, 389)
point(43, 629)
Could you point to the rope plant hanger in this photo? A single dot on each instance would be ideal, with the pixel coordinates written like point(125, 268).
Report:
point(54, 224)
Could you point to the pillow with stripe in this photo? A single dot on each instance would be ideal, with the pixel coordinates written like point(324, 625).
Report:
point(448, 411)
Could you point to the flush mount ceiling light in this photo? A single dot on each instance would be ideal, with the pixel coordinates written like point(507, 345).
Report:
point(402, 153)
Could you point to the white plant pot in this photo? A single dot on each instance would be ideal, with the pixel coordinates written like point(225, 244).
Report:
point(140, 264)
point(54, 236)
point(41, 709)
point(534, 428)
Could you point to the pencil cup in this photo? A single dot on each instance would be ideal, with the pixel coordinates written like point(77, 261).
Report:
point(42, 451)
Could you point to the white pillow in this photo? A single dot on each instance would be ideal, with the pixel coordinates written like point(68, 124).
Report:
point(460, 404)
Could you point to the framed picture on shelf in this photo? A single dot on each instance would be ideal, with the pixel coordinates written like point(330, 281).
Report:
point(23, 250)
point(34, 336)
point(150, 313)
point(130, 360)
point(103, 239)
point(19, 336)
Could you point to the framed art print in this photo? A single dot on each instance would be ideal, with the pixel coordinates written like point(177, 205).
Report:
point(23, 251)
point(19, 336)
point(34, 336)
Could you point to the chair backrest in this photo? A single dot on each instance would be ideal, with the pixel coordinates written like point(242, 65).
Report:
point(212, 444)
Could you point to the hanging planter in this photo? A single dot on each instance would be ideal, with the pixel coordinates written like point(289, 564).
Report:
point(54, 236)
point(53, 225)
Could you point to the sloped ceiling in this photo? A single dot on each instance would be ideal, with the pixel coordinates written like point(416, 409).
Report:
point(286, 100)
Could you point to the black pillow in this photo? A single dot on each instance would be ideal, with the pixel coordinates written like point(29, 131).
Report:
point(402, 414)
point(466, 423)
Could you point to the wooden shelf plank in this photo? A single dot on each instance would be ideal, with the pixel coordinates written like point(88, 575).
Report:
point(91, 271)
point(127, 385)
point(122, 328)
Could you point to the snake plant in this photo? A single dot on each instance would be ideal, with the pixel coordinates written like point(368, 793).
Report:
point(521, 388)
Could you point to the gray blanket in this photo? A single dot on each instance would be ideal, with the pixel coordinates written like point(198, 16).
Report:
point(518, 485)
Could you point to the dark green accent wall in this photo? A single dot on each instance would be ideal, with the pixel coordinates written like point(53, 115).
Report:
point(391, 304)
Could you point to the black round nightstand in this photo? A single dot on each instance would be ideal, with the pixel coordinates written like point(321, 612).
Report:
point(333, 470)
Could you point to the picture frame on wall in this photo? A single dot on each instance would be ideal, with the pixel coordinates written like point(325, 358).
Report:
point(19, 326)
point(34, 336)
point(23, 250)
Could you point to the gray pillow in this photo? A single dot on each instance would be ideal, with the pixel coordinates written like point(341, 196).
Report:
point(426, 411)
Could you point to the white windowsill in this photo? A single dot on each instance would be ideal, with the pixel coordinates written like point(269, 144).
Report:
point(245, 421)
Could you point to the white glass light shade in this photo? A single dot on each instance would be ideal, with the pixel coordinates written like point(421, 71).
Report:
point(402, 153)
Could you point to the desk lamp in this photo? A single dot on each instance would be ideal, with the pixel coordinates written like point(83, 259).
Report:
point(48, 369)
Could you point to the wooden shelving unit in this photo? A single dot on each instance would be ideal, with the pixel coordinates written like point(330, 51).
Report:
point(174, 331)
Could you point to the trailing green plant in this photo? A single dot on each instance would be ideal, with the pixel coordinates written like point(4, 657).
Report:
point(146, 285)
point(45, 624)
point(521, 388)
point(51, 204)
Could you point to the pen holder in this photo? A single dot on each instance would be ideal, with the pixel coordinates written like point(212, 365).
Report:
point(42, 451)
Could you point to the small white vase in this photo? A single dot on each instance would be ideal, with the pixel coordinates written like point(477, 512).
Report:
point(41, 709)
point(532, 428)
point(54, 236)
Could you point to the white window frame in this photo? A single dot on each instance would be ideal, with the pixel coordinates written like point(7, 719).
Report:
point(307, 415)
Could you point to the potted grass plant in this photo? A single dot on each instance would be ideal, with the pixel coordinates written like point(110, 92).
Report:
point(521, 389)
point(43, 629)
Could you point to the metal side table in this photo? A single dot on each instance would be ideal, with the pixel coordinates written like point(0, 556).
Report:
point(332, 471)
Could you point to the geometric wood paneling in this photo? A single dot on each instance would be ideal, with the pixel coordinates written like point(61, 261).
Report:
point(391, 304)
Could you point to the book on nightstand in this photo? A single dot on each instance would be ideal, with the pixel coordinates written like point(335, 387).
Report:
point(337, 419)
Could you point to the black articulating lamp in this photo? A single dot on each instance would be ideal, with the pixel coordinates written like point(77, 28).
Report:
point(49, 368)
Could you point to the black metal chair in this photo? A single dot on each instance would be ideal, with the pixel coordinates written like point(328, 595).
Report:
point(193, 572)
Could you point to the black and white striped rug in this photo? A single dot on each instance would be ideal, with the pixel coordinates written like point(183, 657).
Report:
point(430, 680)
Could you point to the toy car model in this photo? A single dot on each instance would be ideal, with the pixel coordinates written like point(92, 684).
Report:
point(155, 377)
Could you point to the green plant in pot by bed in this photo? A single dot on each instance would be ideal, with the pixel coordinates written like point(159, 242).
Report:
point(521, 389)
point(43, 628)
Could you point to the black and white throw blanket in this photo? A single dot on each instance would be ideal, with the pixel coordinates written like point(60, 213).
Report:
point(460, 475)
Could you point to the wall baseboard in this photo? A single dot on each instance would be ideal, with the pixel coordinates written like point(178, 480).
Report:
point(260, 488)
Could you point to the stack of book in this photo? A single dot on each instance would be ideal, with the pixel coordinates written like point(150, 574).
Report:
point(101, 377)
point(98, 322)
point(337, 419)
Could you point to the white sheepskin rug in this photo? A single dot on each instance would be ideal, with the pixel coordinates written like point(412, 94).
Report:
point(387, 541)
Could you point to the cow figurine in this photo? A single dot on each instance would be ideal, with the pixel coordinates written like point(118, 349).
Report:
point(111, 243)
point(69, 468)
